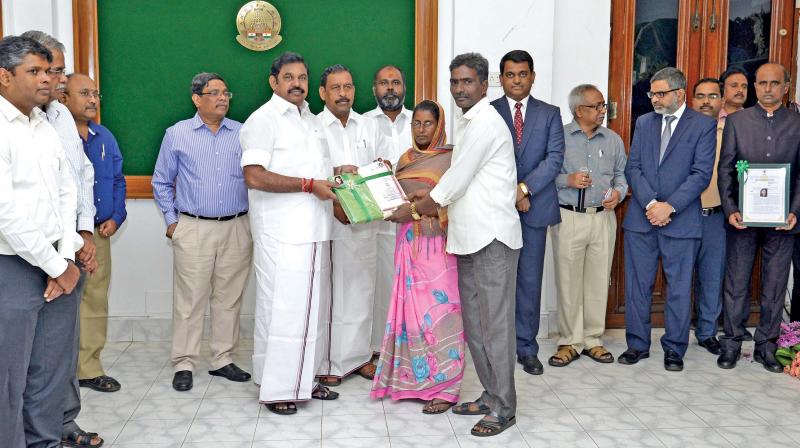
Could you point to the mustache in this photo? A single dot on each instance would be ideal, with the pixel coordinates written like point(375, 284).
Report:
point(343, 101)
point(299, 90)
point(460, 96)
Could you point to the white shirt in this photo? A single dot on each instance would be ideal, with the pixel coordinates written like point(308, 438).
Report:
point(480, 187)
point(512, 104)
point(37, 193)
point(358, 143)
point(398, 132)
point(80, 166)
point(678, 114)
point(290, 142)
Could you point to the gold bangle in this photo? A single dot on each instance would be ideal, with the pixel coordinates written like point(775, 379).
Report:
point(414, 213)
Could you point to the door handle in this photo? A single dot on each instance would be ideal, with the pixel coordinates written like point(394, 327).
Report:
point(712, 21)
point(696, 16)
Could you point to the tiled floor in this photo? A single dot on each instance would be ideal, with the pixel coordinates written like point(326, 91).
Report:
point(583, 405)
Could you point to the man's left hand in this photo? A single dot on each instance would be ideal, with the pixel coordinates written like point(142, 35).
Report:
point(108, 228)
point(339, 214)
point(659, 214)
point(423, 202)
point(791, 221)
point(90, 267)
point(612, 202)
point(524, 204)
point(345, 169)
point(87, 253)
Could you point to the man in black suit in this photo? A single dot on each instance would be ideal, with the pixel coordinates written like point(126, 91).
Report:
point(764, 133)
point(538, 136)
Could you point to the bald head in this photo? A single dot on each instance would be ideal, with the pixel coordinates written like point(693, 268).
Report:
point(772, 83)
point(82, 97)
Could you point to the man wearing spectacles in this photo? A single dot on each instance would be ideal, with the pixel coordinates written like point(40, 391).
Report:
point(83, 174)
point(199, 187)
point(710, 263)
point(354, 140)
point(671, 162)
point(389, 88)
point(102, 150)
point(538, 137)
point(591, 184)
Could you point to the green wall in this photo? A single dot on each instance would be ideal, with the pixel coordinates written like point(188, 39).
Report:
point(150, 49)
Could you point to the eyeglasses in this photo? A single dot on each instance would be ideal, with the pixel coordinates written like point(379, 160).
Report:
point(217, 93)
point(598, 107)
point(56, 71)
point(702, 96)
point(660, 95)
point(424, 124)
point(86, 93)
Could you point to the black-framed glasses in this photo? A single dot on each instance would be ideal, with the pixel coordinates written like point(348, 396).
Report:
point(56, 71)
point(661, 94)
point(598, 107)
point(86, 93)
point(217, 93)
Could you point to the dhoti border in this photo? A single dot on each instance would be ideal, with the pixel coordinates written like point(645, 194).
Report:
point(292, 287)
point(349, 315)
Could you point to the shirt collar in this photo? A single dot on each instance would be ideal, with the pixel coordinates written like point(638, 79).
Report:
point(479, 106)
point(198, 122)
point(763, 112)
point(282, 105)
point(512, 103)
point(573, 128)
point(406, 113)
point(327, 117)
point(12, 113)
point(677, 114)
point(94, 128)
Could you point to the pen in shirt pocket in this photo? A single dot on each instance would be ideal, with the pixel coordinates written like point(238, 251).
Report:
point(103, 152)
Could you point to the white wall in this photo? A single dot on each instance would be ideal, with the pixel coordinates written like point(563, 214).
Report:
point(569, 42)
point(51, 16)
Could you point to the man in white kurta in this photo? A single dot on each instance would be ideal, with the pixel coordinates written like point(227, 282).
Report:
point(394, 123)
point(354, 140)
point(285, 160)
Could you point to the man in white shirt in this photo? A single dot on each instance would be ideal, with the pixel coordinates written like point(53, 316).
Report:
point(286, 164)
point(484, 231)
point(394, 122)
point(82, 173)
point(37, 248)
point(354, 140)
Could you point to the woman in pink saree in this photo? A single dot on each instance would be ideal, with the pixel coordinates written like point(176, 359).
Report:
point(422, 356)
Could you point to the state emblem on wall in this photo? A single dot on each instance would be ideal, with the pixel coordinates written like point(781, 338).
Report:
point(259, 25)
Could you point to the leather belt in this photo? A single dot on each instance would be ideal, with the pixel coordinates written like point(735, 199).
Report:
point(221, 218)
point(589, 210)
point(711, 210)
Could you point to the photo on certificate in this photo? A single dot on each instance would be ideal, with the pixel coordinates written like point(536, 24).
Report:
point(764, 194)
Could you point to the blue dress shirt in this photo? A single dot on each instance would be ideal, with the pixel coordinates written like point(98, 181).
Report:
point(109, 183)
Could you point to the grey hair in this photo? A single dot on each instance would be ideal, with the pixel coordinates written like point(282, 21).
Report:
point(474, 61)
point(336, 68)
point(576, 96)
point(674, 77)
point(13, 50)
point(50, 42)
point(201, 80)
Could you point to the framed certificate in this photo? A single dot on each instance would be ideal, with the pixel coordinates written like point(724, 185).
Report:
point(764, 194)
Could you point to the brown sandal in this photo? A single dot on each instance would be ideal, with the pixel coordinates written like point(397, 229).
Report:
point(599, 354)
point(367, 371)
point(329, 381)
point(437, 406)
point(564, 356)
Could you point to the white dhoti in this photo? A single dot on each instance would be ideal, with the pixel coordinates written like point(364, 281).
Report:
point(293, 286)
point(349, 316)
point(383, 284)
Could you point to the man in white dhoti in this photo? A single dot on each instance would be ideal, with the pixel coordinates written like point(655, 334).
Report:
point(286, 163)
point(394, 122)
point(354, 140)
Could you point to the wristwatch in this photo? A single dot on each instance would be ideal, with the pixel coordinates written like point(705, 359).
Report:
point(524, 189)
point(414, 213)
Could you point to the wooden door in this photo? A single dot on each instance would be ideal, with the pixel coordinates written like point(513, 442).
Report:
point(702, 38)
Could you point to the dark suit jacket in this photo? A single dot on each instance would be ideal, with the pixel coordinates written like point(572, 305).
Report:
point(749, 135)
point(539, 157)
point(682, 176)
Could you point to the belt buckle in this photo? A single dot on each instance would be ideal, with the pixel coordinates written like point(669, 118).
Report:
point(707, 211)
point(591, 210)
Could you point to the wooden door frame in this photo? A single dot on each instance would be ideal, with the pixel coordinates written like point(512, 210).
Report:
point(87, 60)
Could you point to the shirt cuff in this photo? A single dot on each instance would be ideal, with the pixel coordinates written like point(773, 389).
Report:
point(256, 157)
point(170, 218)
point(55, 266)
point(438, 197)
point(86, 224)
point(650, 204)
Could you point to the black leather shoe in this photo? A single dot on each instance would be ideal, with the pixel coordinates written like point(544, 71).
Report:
point(727, 359)
point(182, 381)
point(632, 356)
point(531, 365)
point(767, 360)
point(672, 361)
point(231, 372)
point(712, 345)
